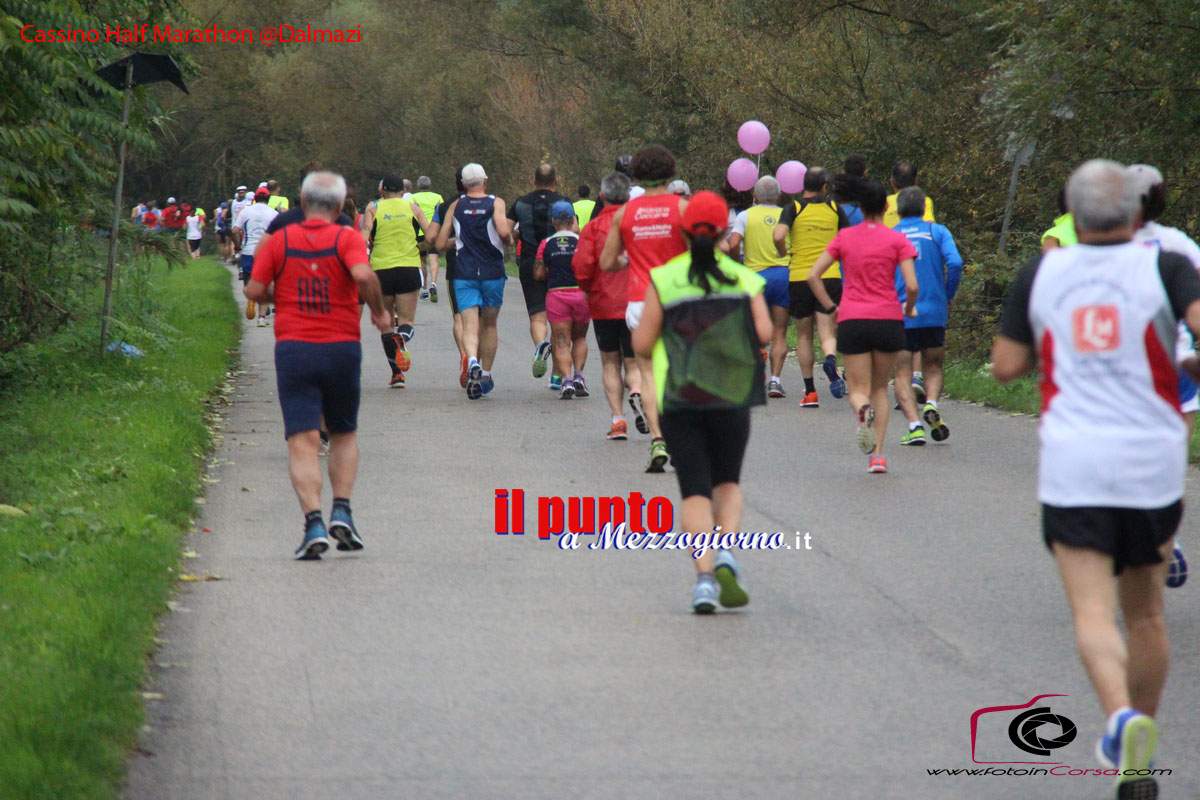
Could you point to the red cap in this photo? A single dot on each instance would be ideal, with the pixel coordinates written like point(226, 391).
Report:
point(264, 192)
point(706, 210)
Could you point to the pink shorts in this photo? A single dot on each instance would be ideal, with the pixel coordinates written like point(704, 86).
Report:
point(567, 305)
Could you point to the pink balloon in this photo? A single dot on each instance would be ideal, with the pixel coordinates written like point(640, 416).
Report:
point(742, 174)
point(791, 177)
point(753, 137)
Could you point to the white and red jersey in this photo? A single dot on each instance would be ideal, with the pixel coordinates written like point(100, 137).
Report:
point(1103, 322)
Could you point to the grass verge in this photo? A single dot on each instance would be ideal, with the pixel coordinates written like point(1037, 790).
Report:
point(104, 455)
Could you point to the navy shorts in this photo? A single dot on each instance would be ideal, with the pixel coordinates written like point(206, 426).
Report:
point(776, 292)
point(245, 266)
point(315, 380)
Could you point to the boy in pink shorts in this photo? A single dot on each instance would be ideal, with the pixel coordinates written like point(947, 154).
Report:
point(566, 304)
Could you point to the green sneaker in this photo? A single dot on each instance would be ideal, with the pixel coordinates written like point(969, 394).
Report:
point(658, 456)
point(726, 572)
point(915, 437)
point(933, 418)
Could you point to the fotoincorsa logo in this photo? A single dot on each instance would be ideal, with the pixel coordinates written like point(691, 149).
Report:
point(1036, 730)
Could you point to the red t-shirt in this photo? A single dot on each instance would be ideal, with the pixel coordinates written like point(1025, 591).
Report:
point(316, 298)
point(870, 253)
point(149, 219)
point(171, 218)
point(652, 233)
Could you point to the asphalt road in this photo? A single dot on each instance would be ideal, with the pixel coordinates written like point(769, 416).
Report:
point(445, 661)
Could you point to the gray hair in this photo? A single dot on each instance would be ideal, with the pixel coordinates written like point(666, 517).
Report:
point(407, 185)
point(766, 189)
point(911, 202)
point(323, 191)
point(615, 187)
point(423, 183)
point(1100, 196)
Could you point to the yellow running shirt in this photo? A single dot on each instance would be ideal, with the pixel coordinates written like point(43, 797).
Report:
point(394, 237)
point(891, 217)
point(813, 221)
point(756, 226)
point(278, 202)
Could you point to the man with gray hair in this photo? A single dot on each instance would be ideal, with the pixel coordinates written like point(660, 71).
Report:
point(315, 272)
point(754, 229)
point(428, 200)
point(1101, 315)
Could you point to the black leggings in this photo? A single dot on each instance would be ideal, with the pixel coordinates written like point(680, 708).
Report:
point(706, 447)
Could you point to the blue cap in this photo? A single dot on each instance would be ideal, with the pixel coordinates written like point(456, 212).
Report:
point(562, 209)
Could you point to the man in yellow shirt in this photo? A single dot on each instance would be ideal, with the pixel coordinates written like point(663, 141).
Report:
point(277, 201)
point(585, 206)
point(755, 227)
point(428, 200)
point(805, 229)
point(904, 175)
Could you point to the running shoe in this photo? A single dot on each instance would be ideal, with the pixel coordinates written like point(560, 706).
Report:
point(433, 292)
point(918, 387)
point(462, 372)
point(704, 595)
point(1128, 745)
point(915, 437)
point(555, 383)
point(732, 593)
point(639, 414)
point(251, 309)
point(397, 381)
point(810, 400)
point(1177, 571)
point(261, 322)
point(424, 295)
point(619, 431)
point(315, 542)
point(541, 355)
point(866, 429)
point(567, 391)
point(341, 528)
point(474, 376)
point(581, 389)
point(658, 456)
point(877, 464)
point(933, 418)
point(775, 389)
point(403, 359)
point(837, 384)
point(486, 384)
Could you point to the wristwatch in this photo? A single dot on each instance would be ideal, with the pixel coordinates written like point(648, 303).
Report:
point(829, 310)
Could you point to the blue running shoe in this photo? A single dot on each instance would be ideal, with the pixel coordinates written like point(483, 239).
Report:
point(581, 387)
point(837, 384)
point(316, 542)
point(341, 528)
point(704, 596)
point(732, 593)
point(541, 355)
point(555, 384)
point(486, 384)
point(1128, 745)
point(1177, 572)
point(474, 376)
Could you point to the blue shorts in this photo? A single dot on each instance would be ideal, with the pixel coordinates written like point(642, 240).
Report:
point(1187, 393)
point(318, 379)
point(776, 290)
point(479, 294)
point(245, 266)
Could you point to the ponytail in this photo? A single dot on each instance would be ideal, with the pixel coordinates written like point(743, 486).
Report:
point(704, 270)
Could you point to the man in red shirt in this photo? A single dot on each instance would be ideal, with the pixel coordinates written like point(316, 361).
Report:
point(607, 296)
point(314, 272)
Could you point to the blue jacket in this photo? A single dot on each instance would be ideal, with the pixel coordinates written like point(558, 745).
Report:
point(939, 269)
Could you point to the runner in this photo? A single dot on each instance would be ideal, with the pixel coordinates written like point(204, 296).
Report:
point(706, 414)
point(428, 200)
point(397, 263)
point(904, 174)
point(1113, 454)
point(753, 234)
point(150, 219)
point(1151, 189)
point(241, 201)
point(248, 229)
point(170, 219)
point(566, 305)
point(870, 320)
point(435, 227)
point(939, 269)
point(1062, 232)
point(805, 229)
point(585, 207)
point(317, 272)
point(277, 201)
point(847, 185)
point(480, 231)
point(531, 214)
point(607, 296)
point(195, 232)
point(138, 210)
point(648, 230)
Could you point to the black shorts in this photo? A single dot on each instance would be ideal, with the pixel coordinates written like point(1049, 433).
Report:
point(222, 236)
point(1131, 536)
point(918, 339)
point(613, 335)
point(804, 304)
point(858, 336)
point(534, 291)
point(706, 447)
point(399, 280)
point(315, 380)
point(194, 245)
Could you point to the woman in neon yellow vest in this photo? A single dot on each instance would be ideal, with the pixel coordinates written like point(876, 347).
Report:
point(704, 321)
point(397, 263)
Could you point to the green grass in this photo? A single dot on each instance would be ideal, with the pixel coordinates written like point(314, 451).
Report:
point(104, 455)
point(974, 382)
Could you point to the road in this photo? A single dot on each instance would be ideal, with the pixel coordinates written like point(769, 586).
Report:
point(445, 661)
